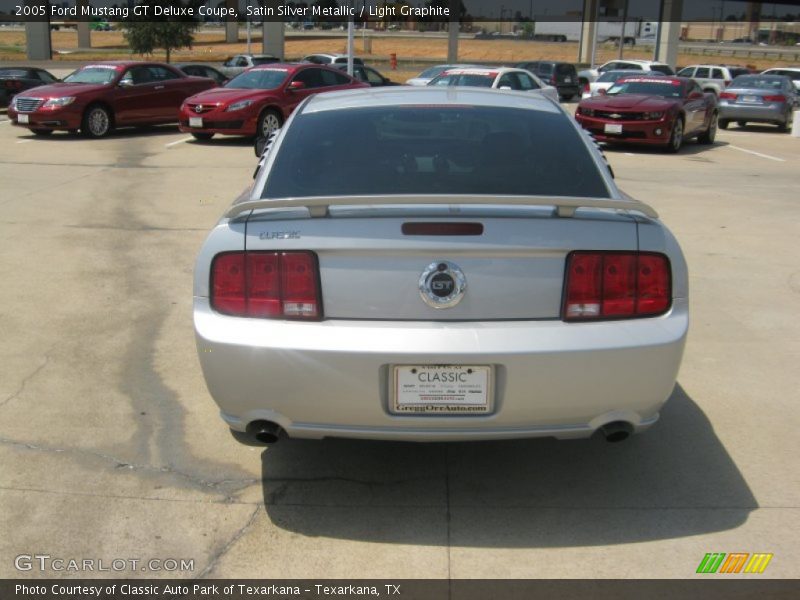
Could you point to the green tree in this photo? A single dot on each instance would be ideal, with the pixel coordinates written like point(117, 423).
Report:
point(144, 35)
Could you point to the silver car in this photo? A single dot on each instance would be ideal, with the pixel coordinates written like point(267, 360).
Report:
point(425, 264)
point(758, 99)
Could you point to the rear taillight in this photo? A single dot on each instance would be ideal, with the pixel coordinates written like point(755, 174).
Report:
point(727, 96)
point(586, 88)
point(553, 80)
point(272, 285)
point(616, 285)
point(776, 98)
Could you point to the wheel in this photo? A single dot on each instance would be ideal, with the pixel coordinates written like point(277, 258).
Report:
point(41, 132)
point(787, 124)
point(707, 137)
point(741, 123)
point(676, 139)
point(268, 122)
point(202, 136)
point(96, 122)
point(723, 123)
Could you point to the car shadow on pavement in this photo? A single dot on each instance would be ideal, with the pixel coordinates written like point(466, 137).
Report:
point(675, 480)
point(122, 133)
point(224, 141)
point(689, 148)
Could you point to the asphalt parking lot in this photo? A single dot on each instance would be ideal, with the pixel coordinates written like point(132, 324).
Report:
point(112, 448)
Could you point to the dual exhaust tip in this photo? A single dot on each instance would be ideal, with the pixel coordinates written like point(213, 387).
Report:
point(267, 432)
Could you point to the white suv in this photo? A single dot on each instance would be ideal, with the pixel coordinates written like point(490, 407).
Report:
point(590, 75)
point(713, 78)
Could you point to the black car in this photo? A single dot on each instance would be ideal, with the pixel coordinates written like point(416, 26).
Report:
point(14, 80)
point(203, 71)
point(561, 75)
point(367, 75)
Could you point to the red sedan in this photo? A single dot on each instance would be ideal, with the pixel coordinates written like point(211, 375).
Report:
point(661, 111)
point(258, 101)
point(101, 96)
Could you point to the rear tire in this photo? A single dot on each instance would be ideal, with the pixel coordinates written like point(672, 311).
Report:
point(741, 123)
point(787, 124)
point(97, 122)
point(707, 137)
point(203, 137)
point(676, 139)
point(723, 123)
point(41, 132)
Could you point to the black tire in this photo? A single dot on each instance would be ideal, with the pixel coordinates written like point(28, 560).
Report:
point(97, 121)
point(787, 124)
point(676, 139)
point(707, 137)
point(723, 123)
point(741, 123)
point(268, 121)
point(41, 132)
point(203, 137)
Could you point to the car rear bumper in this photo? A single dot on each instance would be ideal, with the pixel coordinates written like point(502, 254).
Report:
point(773, 113)
point(634, 132)
point(334, 378)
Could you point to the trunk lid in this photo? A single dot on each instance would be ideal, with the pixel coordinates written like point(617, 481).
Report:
point(371, 270)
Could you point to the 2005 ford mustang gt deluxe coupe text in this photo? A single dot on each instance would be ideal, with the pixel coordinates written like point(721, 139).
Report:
point(426, 264)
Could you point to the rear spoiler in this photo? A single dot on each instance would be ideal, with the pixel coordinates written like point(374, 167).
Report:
point(564, 206)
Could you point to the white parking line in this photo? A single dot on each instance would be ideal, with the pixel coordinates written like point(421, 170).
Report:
point(767, 156)
point(24, 141)
point(178, 142)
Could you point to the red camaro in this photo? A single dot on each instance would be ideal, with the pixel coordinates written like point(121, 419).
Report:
point(661, 111)
point(259, 100)
point(101, 96)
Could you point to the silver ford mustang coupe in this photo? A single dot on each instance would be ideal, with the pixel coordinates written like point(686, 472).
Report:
point(430, 264)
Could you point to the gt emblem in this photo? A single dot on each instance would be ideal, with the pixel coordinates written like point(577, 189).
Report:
point(442, 285)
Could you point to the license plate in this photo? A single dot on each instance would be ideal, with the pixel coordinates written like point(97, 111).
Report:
point(751, 99)
point(567, 79)
point(442, 389)
point(613, 128)
point(23, 118)
point(195, 121)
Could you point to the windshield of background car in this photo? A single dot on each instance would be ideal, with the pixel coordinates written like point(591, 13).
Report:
point(662, 69)
point(431, 73)
point(92, 75)
point(263, 60)
point(471, 80)
point(666, 90)
point(258, 79)
point(757, 82)
point(395, 150)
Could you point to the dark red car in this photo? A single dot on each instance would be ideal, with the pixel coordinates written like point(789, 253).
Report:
point(661, 111)
point(101, 96)
point(258, 101)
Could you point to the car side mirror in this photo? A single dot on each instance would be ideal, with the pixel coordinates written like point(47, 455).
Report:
point(296, 86)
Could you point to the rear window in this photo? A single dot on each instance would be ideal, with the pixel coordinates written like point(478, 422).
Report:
point(755, 82)
point(793, 75)
point(264, 60)
point(544, 68)
point(736, 72)
point(433, 150)
point(563, 69)
point(464, 79)
point(14, 73)
point(662, 69)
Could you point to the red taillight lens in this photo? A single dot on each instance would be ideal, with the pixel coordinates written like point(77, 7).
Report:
point(608, 285)
point(776, 98)
point(586, 88)
point(266, 285)
point(727, 96)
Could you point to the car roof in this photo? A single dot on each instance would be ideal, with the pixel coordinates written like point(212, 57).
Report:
point(781, 69)
point(427, 96)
